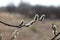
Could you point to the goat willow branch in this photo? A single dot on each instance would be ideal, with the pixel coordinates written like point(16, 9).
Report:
point(22, 24)
point(26, 25)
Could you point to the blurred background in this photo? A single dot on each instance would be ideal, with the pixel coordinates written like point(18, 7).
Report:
point(13, 11)
point(51, 8)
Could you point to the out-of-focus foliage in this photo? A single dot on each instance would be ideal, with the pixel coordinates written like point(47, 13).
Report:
point(11, 7)
point(51, 12)
point(28, 10)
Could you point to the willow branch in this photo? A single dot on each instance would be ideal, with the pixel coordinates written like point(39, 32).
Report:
point(36, 18)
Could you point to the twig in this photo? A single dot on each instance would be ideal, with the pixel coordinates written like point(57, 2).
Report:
point(26, 25)
point(22, 24)
point(55, 36)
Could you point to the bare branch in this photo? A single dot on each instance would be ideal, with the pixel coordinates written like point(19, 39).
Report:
point(8, 24)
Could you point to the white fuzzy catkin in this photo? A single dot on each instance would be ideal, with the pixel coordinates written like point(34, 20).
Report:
point(36, 17)
point(30, 23)
point(33, 21)
point(54, 29)
point(1, 35)
point(42, 17)
point(22, 23)
point(15, 33)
